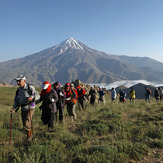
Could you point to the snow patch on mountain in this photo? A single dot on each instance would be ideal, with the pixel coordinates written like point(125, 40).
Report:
point(70, 43)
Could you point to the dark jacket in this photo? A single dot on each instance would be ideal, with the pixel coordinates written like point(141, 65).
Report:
point(48, 105)
point(61, 97)
point(92, 93)
point(49, 101)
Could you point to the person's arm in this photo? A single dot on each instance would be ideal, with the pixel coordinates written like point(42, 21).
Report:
point(16, 102)
point(53, 98)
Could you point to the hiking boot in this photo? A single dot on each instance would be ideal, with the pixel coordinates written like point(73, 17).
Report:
point(29, 136)
point(72, 118)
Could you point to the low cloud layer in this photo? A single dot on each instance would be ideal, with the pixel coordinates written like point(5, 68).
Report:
point(128, 83)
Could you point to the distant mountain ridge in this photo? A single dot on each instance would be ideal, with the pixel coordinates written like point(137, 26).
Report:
point(71, 60)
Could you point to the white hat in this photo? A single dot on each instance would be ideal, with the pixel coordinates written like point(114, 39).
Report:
point(72, 85)
point(45, 85)
point(20, 77)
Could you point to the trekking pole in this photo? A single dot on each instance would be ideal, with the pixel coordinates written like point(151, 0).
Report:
point(10, 128)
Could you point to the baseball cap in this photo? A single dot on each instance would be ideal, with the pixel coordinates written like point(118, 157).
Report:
point(20, 77)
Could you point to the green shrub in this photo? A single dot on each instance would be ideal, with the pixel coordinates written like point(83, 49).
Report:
point(92, 128)
point(108, 153)
point(155, 133)
point(157, 144)
point(138, 151)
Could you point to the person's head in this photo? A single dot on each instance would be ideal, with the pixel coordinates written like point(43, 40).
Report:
point(146, 88)
point(72, 85)
point(67, 86)
point(78, 87)
point(21, 80)
point(92, 87)
point(56, 85)
point(100, 88)
point(46, 85)
point(46, 88)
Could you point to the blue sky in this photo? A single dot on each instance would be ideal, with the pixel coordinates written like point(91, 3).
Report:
point(122, 27)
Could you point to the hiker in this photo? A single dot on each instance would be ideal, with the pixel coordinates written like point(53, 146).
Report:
point(101, 95)
point(48, 97)
point(122, 96)
point(113, 94)
point(60, 102)
point(92, 93)
point(81, 97)
point(132, 95)
point(160, 93)
point(70, 101)
point(25, 96)
point(72, 87)
point(147, 94)
point(156, 94)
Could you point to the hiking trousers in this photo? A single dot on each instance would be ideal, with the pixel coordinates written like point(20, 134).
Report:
point(71, 110)
point(61, 112)
point(81, 104)
point(27, 118)
point(148, 97)
point(101, 99)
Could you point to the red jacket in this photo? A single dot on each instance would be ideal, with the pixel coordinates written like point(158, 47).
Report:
point(81, 93)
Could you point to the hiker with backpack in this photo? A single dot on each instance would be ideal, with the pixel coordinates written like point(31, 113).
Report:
point(113, 94)
point(148, 94)
point(92, 93)
point(132, 95)
point(81, 97)
point(48, 97)
point(60, 102)
point(72, 87)
point(122, 96)
point(70, 101)
point(25, 98)
point(101, 95)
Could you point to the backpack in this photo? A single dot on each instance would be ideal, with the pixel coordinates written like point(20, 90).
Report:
point(150, 92)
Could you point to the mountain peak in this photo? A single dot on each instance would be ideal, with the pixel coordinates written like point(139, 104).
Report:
point(71, 43)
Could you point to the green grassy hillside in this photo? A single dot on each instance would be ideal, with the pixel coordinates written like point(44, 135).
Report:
point(106, 133)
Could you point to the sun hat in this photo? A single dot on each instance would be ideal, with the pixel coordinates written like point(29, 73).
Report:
point(72, 85)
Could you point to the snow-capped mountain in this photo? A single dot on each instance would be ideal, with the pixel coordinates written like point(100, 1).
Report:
point(70, 43)
point(71, 60)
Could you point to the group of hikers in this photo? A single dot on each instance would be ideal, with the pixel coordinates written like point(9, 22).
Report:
point(54, 98)
point(122, 95)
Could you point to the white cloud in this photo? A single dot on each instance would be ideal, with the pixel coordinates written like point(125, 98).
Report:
point(128, 83)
